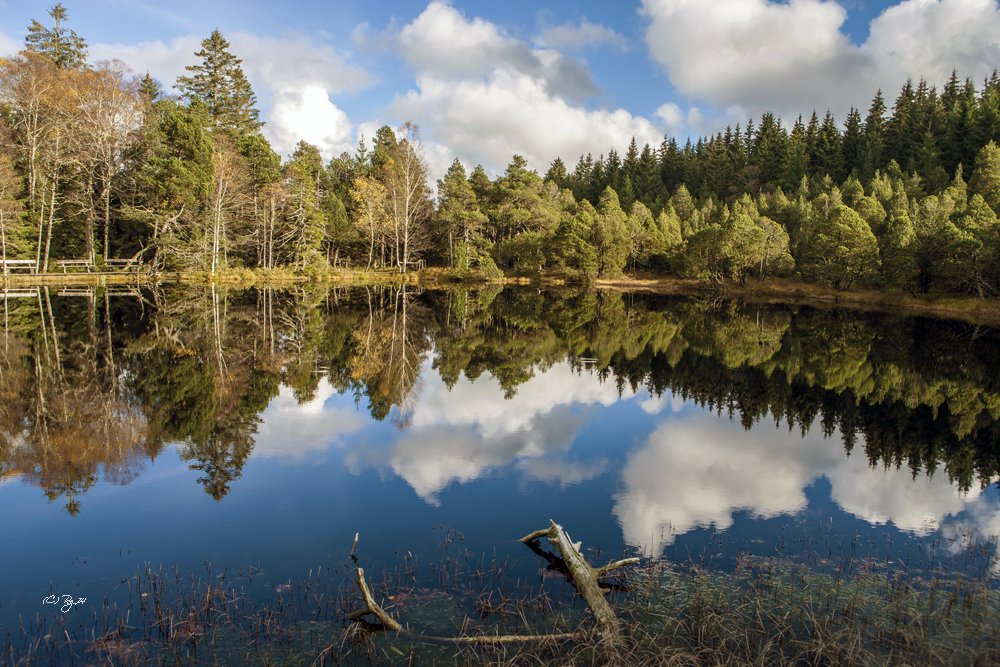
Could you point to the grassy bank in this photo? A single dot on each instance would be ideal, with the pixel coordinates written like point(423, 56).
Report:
point(778, 290)
point(787, 291)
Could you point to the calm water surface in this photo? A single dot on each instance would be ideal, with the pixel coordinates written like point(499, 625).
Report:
point(263, 429)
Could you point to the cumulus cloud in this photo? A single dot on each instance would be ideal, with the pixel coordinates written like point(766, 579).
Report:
point(756, 53)
point(289, 430)
point(308, 115)
point(9, 45)
point(747, 56)
point(697, 471)
point(930, 38)
point(442, 43)
point(165, 61)
point(486, 95)
point(573, 37)
point(654, 405)
point(463, 434)
point(672, 116)
point(488, 121)
point(292, 77)
point(914, 504)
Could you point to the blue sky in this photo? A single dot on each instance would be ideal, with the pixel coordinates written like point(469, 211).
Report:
point(485, 80)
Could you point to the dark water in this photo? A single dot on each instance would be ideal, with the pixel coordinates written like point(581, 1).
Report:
point(230, 430)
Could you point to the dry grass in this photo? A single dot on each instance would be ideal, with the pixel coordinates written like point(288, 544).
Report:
point(765, 612)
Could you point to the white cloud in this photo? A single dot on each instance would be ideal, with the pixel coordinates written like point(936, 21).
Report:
point(748, 56)
point(487, 96)
point(293, 431)
point(165, 61)
point(654, 405)
point(295, 63)
point(463, 434)
point(570, 37)
point(442, 41)
point(878, 495)
point(292, 77)
point(8, 45)
point(931, 37)
point(307, 114)
point(510, 113)
point(672, 117)
point(697, 471)
point(754, 52)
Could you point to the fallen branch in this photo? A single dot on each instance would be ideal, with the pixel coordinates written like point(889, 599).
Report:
point(584, 577)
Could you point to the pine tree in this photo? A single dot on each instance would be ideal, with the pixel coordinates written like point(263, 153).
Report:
point(852, 142)
point(769, 150)
point(65, 50)
point(874, 140)
point(829, 159)
point(150, 88)
point(220, 83)
point(556, 174)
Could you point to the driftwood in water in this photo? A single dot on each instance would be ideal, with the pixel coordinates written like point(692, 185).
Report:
point(371, 607)
point(585, 578)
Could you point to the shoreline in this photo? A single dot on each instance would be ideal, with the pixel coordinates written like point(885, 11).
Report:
point(774, 291)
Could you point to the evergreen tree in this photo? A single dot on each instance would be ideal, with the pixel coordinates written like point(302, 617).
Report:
point(150, 88)
point(768, 152)
point(797, 163)
point(610, 236)
point(842, 251)
point(828, 159)
point(459, 216)
point(985, 179)
point(853, 143)
point(874, 139)
point(65, 49)
point(220, 83)
point(556, 174)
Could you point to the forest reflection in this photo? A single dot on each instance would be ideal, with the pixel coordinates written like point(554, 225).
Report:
point(95, 383)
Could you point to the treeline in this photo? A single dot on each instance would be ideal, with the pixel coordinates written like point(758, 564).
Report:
point(98, 162)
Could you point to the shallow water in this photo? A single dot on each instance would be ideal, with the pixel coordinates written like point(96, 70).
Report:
point(224, 431)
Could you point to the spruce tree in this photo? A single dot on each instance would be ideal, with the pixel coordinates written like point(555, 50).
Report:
point(65, 49)
point(852, 142)
point(220, 83)
point(874, 140)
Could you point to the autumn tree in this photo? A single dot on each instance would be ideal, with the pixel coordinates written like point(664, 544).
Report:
point(405, 177)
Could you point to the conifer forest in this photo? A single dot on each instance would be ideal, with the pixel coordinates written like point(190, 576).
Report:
point(99, 162)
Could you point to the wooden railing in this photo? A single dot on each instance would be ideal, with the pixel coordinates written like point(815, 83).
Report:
point(12, 264)
point(74, 264)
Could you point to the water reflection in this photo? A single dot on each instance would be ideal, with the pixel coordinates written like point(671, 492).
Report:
point(672, 402)
point(698, 471)
point(461, 432)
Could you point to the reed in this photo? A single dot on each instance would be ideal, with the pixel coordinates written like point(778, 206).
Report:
point(788, 608)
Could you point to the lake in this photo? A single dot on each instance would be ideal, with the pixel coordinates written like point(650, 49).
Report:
point(239, 433)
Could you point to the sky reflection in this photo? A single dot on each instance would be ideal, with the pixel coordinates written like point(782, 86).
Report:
point(692, 468)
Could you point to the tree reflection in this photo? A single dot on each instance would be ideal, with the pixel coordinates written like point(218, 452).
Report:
point(93, 383)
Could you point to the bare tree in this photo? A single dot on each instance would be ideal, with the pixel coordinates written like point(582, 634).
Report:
point(109, 111)
point(409, 202)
